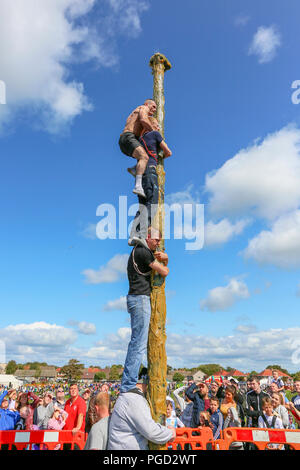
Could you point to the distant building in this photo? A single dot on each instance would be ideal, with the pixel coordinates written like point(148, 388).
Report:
point(48, 373)
point(10, 381)
point(199, 376)
point(88, 376)
point(2, 368)
point(31, 375)
point(27, 375)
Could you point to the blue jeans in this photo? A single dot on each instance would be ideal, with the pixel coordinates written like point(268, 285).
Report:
point(139, 308)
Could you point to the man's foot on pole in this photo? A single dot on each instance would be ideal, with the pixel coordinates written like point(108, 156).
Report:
point(132, 170)
point(133, 241)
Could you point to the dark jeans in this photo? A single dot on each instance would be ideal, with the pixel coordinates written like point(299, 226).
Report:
point(148, 206)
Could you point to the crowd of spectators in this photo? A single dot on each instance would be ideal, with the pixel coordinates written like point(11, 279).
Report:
point(76, 408)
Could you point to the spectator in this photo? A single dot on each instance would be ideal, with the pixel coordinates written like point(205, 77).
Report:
point(170, 399)
point(233, 421)
point(59, 400)
point(279, 409)
point(276, 379)
point(239, 398)
point(12, 400)
point(30, 401)
point(254, 401)
point(23, 416)
point(76, 409)
point(57, 420)
point(98, 435)
point(268, 419)
point(44, 411)
point(273, 388)
point(216, 417)
point(8, 418)
point(172, 421)
point(204, 420)
point(86, 396)
point(198, 394)
point(105, 388)
point(291, 407)
point(228, 402)
point(296, 399)
point(214, 387)
point(186, 406)
point(91, 415)
point(131, 425)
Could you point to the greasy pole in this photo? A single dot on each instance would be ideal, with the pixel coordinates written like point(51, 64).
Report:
point(157, 358)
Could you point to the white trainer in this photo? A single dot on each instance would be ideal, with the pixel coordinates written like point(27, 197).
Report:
point(139, 192)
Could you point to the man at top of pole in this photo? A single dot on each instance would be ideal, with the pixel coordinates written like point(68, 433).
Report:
point(129, 142)
point(153, 143)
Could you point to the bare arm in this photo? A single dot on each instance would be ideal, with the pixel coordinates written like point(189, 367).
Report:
point(165, 149)
point(159, 268)
point(144, 118)
point(79, 423)
point(162, 257)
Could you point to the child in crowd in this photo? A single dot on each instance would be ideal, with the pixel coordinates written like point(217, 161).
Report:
point(204, 420)
point(58, 419)
point(216, 417)
point(57, 422)
point(233, 421)
point(172, 421)
point(269, 419)
point(24, 413)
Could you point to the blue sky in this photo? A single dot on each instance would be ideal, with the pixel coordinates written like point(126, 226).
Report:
point(73, 71)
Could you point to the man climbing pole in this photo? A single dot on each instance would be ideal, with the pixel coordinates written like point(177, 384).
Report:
point(131, 146)
point(142, 261)
point(152, 142)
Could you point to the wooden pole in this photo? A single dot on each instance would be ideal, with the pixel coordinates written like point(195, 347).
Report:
point(157, 358)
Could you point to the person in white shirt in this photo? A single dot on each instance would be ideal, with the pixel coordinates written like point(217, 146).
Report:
point(269, 420)
point(185, 405)
point(171, 420)
point(280, 409)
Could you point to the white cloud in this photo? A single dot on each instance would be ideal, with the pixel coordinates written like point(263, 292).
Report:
point(128, 13)
point(265, 44)
point(86, 328)
point(89, 231)
point(254, 350)
point(40, 40)
point(29, 341)
point(223, 231)
point(263, 179)
point(118, 304)
point(187, 196)
point(247, 349)
point(279, 246)
point(246, 329)
point(113, 347)
point(115, 268)
point(222, 298)
point(241, 20)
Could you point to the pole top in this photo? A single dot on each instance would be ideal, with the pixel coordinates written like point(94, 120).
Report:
point(159, 58)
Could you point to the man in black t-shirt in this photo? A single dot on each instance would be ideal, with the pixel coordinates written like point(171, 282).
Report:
point(153, 142)
point(142, 260)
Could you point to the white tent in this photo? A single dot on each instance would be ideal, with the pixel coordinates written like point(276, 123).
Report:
point(10, 380)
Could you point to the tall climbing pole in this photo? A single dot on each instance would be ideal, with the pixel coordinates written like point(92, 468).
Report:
point(157, 358)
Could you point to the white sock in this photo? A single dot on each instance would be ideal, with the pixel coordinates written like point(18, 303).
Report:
point(138, 181)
